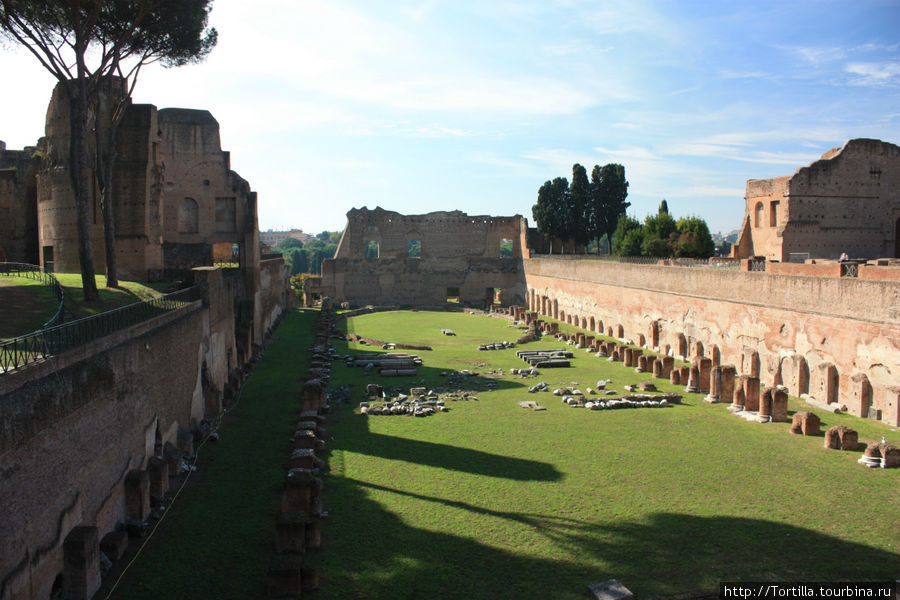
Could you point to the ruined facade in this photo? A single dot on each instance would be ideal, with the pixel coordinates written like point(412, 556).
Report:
point(388, 258)
point(846, 202)
point(177, 203)
point(809, 334)
point(18, 216)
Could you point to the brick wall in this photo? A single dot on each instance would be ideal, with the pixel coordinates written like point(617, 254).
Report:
point(770, 320)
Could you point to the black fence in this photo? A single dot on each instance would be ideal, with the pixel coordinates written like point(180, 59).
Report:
point(39, 345)
point(46, 277)
point(714, 262)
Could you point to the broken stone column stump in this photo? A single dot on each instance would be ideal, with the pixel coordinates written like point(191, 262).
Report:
point(751, 394)
point(806, 423)
point(765, 405)
point(305, 458)
point(137, 494)
point(114, 544)
point(693, 382)
point(738, 399)
point(304, 439)
point(726, 392)
point(158, 471)
point(779, 404)
point(174, 458)
point(290, 532)
point(81, 563)
point(715, 385)
point(641, 364)
point(705, 366)
point(284, 578)
point(841, 437)
point(299, 487)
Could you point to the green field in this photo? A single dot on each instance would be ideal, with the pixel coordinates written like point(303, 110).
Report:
point(490, 500)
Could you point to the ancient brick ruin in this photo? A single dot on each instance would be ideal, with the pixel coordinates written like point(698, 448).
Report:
point(96, 431)
point(388, 258)
point(178, 204)
point(846, 202)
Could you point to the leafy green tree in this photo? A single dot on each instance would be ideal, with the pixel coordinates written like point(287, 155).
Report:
point(694, 239)
point(628, 237)
point(288, 243)
point(84, 44)
point(658, 235)
point(550, 211)
point(663, 207)
point(578, 207)
point(609, 188)
point(298, 260)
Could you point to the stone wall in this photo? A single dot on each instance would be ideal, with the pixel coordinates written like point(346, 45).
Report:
point(791, 330)
point(75, 427)
point(18, 199)
point(458, 256)
point(71, 437)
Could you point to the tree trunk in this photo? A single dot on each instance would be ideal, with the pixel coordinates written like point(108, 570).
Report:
point(80, 177)
point(106, 160)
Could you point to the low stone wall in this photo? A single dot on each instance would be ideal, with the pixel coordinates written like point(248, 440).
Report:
point(72, 435)
point(88, 435)
point(836, 339)
point(275, 293)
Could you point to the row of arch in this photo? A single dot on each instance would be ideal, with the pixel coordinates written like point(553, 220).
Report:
point(791, 370)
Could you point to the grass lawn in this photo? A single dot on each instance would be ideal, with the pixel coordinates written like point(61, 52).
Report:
point(26, 304)
point(493, 501)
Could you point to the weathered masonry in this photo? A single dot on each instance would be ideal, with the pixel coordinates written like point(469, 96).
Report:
point(18, 216)
point(846, 202)
point(88, 435)
point(177, 202)
point(388, 258)
point(834, 339)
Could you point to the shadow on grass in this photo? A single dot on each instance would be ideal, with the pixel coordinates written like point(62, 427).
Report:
point(355, 437)
point(371, 552)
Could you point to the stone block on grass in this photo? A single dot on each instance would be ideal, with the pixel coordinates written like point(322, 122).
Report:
point(284, 578)
point(610, 589)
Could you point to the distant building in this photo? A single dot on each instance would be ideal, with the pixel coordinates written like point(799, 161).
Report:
point(846, 202)
point(273, 238)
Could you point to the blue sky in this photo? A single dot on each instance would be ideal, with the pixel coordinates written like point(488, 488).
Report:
point(442, 105)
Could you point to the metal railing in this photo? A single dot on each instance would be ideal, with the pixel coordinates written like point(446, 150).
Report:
point(39, 345)
point(757, 264)
point(37, 273)
point(714, 262)
point(849, 269)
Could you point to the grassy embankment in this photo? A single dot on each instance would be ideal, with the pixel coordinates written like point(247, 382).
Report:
point(26, 304)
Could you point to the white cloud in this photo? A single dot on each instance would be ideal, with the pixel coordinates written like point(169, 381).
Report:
point(874, 73)
point(818, 55)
